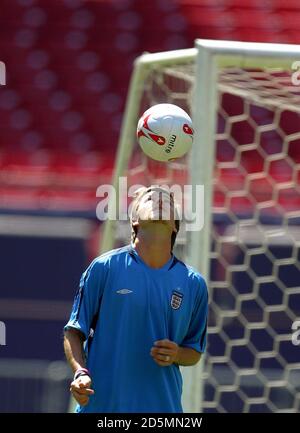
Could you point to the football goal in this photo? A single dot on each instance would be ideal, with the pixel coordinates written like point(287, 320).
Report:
point(246, 155)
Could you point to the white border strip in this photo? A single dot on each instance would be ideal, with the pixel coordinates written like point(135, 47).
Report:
point(38, 226)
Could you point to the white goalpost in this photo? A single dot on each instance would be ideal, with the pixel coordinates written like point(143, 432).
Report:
point(246, 117)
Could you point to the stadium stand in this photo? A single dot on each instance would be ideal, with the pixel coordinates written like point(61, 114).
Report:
point(68, 67)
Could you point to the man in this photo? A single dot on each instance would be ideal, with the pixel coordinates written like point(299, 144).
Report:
point(141, 313)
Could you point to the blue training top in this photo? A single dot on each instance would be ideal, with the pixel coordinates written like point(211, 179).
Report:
point(122, 307)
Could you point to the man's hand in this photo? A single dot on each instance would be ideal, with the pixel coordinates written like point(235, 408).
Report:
point(80, 389)
point(164, 352)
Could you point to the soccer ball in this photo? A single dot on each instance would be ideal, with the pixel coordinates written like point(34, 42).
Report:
point(165, 132)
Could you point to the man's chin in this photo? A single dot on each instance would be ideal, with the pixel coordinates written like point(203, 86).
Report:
point(156, 221)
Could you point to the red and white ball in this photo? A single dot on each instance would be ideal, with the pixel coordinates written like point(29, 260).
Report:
point(165, 132)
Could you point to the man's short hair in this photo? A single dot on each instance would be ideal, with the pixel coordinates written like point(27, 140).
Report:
point(138, 194)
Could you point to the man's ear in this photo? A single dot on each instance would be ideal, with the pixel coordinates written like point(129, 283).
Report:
point(177, 226)
point(134, 230)
point(135, 226)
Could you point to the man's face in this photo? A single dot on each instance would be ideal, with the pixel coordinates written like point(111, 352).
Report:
point(156, 205)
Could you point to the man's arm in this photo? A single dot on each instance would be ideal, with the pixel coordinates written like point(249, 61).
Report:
point(73, 345)
point(166, 352)
point(85, 307)
point(187, 356)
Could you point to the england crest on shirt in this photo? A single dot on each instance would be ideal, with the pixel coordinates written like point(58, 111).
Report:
point(176, 300)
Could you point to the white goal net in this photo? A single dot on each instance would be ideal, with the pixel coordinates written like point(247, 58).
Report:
point(252, 362)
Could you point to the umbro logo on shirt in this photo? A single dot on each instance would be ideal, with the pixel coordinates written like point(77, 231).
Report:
point(124, 291)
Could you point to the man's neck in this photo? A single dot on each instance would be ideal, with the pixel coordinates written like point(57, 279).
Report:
point(154, 253)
